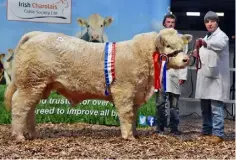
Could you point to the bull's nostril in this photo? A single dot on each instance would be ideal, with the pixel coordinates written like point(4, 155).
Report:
point(185, 60)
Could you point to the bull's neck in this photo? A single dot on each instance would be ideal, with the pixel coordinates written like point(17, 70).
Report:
point(144, 46)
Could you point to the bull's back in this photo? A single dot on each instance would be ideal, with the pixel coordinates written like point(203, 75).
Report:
point(83, 67)
point(76, 64)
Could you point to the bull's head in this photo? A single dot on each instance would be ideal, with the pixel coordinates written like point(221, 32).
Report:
point(2, 55)
point(95, 26)
point(10, 54)
point(170, 43)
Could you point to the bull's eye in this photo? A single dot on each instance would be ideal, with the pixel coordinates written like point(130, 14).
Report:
point(168, 46)
point(175, 54)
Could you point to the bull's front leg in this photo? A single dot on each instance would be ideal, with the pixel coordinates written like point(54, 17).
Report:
point(123, 99)
point(125, 113)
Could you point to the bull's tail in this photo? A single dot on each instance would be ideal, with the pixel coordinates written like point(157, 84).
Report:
point(26, 37)
point(11, 89)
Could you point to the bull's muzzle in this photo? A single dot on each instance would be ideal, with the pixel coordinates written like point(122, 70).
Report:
point(186, 59)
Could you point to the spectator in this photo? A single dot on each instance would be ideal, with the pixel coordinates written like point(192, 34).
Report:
point(212, 85)
point(175, 78)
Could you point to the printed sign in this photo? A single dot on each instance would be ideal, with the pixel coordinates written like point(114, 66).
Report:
point(142, 120)
point(151, 121)
point(51, 11)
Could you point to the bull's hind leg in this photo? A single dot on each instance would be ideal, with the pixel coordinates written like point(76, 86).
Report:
point(23, 106)
point(31, 122)
point(134, 124)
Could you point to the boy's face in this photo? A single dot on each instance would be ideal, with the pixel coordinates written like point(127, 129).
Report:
point(169, 23)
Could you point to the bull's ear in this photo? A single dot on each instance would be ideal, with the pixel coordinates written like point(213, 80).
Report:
point(108, 21)
point(82, 22)
point(11, 51)
point(2, 55)
point(187, 38)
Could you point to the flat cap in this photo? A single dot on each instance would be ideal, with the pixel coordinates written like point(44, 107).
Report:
point(210, 15)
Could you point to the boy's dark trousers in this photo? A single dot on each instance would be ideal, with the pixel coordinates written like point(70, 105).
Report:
point(161, 111)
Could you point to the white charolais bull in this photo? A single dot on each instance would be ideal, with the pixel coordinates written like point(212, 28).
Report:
point(7, 65)
point(1, 66)
point(75, 68)
point(94, 31)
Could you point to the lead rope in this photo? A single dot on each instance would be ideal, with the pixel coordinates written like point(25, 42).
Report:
point(198, 60)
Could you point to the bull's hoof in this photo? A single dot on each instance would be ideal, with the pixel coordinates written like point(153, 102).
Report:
point(33, 135)
point(132, 138)
point(135, 133)
point(136, 136)
point(20, 138)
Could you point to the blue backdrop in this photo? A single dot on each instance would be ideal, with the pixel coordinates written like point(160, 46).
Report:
point(130, 17)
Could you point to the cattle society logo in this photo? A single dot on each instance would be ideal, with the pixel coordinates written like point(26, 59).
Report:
point(52, 11)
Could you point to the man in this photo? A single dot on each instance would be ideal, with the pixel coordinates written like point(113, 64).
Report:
point(175, 78)
point(212, 85)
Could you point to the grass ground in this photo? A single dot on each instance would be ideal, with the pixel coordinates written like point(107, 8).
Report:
point(56, 109)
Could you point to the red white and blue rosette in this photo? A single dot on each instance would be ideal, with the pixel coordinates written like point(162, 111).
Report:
point(109, 64)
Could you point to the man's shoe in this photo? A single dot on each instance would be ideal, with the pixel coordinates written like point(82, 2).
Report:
point(203, 136)
point(161, 128)
point(159, 132)
point(215, 139)
point(176, 132)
